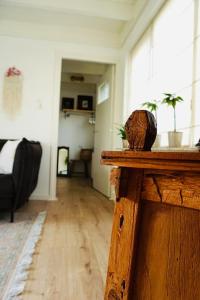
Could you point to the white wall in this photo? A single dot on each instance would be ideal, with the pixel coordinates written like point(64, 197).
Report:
point(75, 130)
point(40, 63)
point(103, 135)
point(33, 120)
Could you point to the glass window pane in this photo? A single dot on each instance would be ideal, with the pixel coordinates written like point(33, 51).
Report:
point(163, 63)
point(197, 63)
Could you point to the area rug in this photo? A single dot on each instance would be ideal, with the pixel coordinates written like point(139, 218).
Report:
point(17, 246)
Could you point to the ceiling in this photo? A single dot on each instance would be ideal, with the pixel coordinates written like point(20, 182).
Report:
point(104, 20)
point(91, 71)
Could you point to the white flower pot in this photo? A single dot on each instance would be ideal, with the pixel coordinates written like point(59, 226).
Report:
point(125, 144)
point(157, 142)
point(174, 139)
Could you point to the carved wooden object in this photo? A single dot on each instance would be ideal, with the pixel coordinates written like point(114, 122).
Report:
point(155, 244)
point(141, 130)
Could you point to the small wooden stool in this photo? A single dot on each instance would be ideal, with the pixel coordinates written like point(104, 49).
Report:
point(85, 158)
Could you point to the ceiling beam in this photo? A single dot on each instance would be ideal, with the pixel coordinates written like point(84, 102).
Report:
point(95, 8)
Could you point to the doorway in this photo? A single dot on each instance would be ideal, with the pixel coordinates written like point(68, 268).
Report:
point(85, 117)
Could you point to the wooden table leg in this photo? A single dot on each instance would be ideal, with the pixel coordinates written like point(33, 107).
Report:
point(124, 234)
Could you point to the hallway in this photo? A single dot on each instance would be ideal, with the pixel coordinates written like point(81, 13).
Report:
point(70, 262)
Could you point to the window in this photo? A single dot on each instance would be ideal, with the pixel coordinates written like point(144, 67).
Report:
point(167, 60)
point(103, 92)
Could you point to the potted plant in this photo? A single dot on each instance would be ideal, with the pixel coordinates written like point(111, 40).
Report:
point(122, 134)
point(174, 137)
point(152, 106)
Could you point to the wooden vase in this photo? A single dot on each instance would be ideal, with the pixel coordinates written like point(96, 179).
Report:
point(141, 130)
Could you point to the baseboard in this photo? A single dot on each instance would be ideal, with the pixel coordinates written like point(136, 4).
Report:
point(43, 197)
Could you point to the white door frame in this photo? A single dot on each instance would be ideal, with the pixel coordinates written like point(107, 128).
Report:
point(90, 54)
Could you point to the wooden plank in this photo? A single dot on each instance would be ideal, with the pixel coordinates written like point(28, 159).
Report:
point(128, 154)
point(71, 258)
point(154, 164)
point(119, 178)
point(168, 255)
point(175, 188)
point(123, 240)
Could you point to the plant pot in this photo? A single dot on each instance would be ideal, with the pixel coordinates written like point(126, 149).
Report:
point(157, 142)
point(174, 139)
point(125, 144)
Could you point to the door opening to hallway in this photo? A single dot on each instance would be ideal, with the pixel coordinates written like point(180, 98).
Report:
point(85, 120)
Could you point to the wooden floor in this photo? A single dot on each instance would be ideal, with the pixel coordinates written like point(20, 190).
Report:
point(70, 262)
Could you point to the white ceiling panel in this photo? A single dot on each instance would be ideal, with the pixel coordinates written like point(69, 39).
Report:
point(96, 8)
point(45, 17)
point(123, 1)
point(104, 21)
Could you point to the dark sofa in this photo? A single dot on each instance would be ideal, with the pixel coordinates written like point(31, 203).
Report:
point(16, 188)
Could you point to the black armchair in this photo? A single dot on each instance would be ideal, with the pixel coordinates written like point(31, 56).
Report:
point(16, 188)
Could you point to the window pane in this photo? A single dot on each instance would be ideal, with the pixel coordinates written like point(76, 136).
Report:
point(197, 112)
point(163, 63)
point(197, 64)
point(103, 92)
point(140, 73)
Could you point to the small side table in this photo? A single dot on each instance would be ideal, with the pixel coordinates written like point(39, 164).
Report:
point(85, 159)
point(155, 244)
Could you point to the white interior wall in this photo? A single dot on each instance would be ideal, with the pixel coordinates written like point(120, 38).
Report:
point(103, 135)
point(75, 131)
point(40, 63)
point(33, 120)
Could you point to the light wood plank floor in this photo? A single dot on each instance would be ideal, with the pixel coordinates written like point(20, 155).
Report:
point(70, 262)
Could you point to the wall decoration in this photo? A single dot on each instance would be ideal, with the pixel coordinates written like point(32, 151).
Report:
point(85, 102)
point(12, 91)
point(67, 103)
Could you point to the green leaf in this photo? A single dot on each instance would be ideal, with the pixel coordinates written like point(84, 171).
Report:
point(122, 132)
point(152, 106)
point(171, 100)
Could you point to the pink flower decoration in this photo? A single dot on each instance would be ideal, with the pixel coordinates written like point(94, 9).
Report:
point(13, 72)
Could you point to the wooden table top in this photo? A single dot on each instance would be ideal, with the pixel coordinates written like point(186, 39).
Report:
point(188, 161)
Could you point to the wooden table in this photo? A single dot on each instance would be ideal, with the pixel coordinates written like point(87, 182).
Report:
point(155, 244)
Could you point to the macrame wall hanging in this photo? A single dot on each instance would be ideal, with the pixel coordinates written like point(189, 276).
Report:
point(12, 91)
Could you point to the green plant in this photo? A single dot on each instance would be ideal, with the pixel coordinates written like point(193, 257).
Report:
point(122, 132)
point(172, 100)
point(152, 106)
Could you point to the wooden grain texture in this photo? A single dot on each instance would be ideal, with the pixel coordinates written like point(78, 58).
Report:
point(122, 241)
point(119, 178)
point(165, 155)
point(168, 254)
point(182, 161)
point(162, 251)
point(71, 258)
point(141, 130)
point(175, 188)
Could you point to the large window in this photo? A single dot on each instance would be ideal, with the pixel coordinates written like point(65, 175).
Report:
point(167, 60)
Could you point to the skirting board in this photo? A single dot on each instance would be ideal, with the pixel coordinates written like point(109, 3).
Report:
point(43, 197)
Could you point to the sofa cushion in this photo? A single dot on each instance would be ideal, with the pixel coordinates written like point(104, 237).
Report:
point(7, 156)
point(6, 186)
